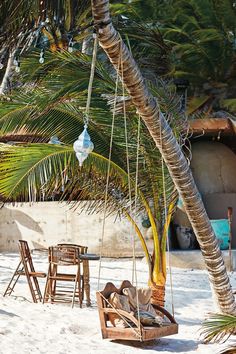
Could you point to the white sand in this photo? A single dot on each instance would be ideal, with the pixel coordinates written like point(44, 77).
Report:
point(26, 327)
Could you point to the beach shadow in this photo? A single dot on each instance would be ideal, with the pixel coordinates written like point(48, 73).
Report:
point(6, 313)
point(171, 345)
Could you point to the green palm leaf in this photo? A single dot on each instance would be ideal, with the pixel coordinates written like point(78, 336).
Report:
point(218, 327)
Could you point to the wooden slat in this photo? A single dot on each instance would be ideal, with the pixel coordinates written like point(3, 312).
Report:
point(157, 332)
point(211, 125)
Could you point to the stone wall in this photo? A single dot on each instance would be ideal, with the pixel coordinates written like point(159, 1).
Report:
point(48, 223)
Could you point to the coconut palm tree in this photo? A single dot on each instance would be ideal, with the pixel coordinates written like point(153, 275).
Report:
point(149, 109)
point(55, 106)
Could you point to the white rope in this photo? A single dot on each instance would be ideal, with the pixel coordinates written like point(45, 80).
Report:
point(128, 165)
point(167, 236)
point(136, 196)
point(90, 85)
point(134, 268)
point(135, 213)
point(108, 177)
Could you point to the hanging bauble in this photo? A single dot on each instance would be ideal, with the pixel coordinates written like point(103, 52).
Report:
point(17, 68)
point(70, 46)
point(15, 62)
point(70, 49)
point(41, 57)
point(83, 146)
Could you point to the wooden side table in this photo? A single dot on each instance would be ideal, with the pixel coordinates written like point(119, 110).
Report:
point(85, 258)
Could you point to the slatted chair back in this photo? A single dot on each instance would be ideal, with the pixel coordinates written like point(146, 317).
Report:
point(63, 255)
point(82, 249)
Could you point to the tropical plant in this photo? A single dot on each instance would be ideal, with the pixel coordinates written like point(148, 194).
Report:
point(149, 109)
point(202, 36)
point(55, 106)
point(219, 328)
point(42, 24)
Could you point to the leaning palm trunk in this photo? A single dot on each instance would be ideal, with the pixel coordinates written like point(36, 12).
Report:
point(148, 108)
point(7, 74)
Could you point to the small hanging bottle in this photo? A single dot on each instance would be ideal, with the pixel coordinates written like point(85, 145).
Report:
point(41, 57)
point(70, 46)
point(17, 68)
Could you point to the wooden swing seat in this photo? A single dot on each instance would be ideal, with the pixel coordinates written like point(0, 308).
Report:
point(138, 332)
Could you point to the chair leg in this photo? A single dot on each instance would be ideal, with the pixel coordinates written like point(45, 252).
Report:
point(47, 290)
point(13, 281)
point(77, 286)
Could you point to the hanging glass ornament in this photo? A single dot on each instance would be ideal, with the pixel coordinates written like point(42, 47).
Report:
point(15, 61)
point(41, 57)
point(70, 46)
point(1, 66)
point(17, 68)
point(83, 146)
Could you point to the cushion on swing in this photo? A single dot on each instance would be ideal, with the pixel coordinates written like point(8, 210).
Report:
point(148, 319)
point(119, 302)
point(142, 297)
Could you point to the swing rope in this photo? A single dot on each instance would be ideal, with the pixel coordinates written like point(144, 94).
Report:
point(134, 268)
point(108, 176)
point(91, 78)
point(120, 68)
point(165, 220)
point(135, 213)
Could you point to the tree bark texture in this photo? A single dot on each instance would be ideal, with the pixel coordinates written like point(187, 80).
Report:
point(148, 108)
point(7, 74)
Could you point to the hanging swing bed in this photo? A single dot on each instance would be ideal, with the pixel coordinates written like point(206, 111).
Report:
point(134, 328)
point(126, 313)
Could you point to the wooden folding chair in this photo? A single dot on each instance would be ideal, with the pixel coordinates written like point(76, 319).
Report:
point(57, 289)
point(26, 268)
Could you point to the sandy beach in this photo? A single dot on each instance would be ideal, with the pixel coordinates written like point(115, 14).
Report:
point(26, 327)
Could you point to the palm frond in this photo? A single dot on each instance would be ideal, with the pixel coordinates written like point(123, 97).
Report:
point(218, 328)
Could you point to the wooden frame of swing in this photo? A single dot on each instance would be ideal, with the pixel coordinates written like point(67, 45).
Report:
point(136, 331)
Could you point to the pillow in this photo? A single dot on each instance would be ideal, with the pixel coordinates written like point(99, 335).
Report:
point(148, 319)
point(119, 302)
point(142, 297)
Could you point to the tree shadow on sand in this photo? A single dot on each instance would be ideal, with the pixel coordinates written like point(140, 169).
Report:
point(171, 345)
point(6, 313)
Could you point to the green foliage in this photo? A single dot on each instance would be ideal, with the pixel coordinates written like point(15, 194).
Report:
point(52, 101)
point(218, 327)
point(202, 36)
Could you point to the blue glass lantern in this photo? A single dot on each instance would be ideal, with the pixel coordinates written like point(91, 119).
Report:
point(83, 146)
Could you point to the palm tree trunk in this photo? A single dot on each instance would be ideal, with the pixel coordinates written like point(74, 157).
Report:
point(148, 108)
point(7, 74)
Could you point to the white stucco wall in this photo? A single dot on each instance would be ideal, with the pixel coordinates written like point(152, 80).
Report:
point(48, 223)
